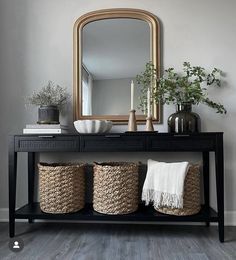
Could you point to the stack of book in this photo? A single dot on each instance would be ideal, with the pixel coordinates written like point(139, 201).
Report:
point(45, 129)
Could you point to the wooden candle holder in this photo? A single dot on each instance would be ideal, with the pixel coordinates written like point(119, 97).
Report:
point(149, 124)
point(132, 125)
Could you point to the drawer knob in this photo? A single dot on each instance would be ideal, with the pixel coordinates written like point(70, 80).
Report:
point(112, 136)
point(46, 136)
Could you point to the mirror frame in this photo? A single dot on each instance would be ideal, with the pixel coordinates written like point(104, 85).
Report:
point(77, 58)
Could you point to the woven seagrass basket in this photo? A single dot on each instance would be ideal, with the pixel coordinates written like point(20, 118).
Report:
point(61, 187)
point(191, 199)
point(115, 189)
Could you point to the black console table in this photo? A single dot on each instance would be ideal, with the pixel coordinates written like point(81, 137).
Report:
point(124, 142)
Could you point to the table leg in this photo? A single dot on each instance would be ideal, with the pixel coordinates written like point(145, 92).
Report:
point(205, 158)
point(219, 165)
point(31, 174)
point(12, 174)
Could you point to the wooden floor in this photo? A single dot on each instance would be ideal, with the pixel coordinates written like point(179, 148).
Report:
point(111, 242)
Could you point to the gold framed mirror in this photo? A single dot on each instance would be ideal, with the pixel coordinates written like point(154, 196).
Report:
point(111, 47)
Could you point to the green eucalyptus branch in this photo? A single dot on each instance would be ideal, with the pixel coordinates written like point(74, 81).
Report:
point(146, 80)
point(175, 88)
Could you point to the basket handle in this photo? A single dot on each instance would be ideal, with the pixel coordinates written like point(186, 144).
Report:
point(97, 163)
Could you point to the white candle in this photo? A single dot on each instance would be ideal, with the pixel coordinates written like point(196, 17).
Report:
point(132, 95)
point(148, 103)
point(144, 109)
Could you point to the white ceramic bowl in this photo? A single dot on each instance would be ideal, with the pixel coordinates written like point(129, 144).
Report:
point(92, 126)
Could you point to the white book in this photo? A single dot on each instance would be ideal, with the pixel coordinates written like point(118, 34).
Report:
point(43, 131)
point(46, 126)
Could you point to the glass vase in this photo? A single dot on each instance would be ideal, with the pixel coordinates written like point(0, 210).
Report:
point(184, 120)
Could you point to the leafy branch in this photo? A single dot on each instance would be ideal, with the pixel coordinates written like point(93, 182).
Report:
point(147, 80)
point(49, 95)
point(176, 88)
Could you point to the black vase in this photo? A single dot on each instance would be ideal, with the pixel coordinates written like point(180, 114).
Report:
point(48, 115)
point(184, 120)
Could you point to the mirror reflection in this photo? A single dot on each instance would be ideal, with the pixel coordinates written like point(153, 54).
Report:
point(114, 51)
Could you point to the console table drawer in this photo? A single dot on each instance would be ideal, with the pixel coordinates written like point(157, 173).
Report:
point(46, 143)
point(183, 143)
point(112, 143)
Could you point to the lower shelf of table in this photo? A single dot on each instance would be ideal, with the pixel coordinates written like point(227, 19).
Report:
point(143, 213)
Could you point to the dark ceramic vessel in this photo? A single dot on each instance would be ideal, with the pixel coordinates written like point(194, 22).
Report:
point(48, 115)
point(184, 120)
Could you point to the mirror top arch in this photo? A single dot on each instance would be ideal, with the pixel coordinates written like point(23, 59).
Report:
point(117, 13)
point(77, 56)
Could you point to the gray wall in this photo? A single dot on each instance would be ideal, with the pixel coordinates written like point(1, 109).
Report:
point(36, 45)
point(112, 97)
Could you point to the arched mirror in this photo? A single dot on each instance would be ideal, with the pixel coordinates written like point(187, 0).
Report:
point(110, 48)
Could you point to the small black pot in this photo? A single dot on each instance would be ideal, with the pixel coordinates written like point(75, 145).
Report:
point(48, 115)
point(184, 120)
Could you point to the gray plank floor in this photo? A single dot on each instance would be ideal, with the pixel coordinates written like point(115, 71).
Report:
point(112, 242)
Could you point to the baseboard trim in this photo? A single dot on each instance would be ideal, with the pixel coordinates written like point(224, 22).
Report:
point(4, 214)
point(230, 219)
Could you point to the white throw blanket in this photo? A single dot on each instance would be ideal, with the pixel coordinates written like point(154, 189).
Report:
point(164, 184)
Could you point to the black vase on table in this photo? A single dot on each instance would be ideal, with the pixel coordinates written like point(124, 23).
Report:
point(184, 120)
point(48, 115)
